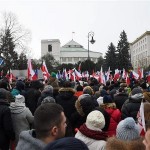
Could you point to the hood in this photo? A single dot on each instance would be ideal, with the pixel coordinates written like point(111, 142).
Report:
point(136, 98)
point(27, 141)
point(66, 93)
point(17, 108)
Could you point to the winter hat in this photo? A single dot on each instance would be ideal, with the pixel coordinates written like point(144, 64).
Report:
point(20, 85)
point(136, 91)
point(84, 104)
point(88, 90)
point(48, 99)
point(127, 129)
point(67, 143)
point(95, 120)
point(107, 99)
point(48, 88)
point(19, 99)
point(103, 93)
point(53, 74)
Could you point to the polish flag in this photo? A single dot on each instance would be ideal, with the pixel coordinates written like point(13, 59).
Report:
point(127, 80)
point(148, 77)
point(108, 74)
point(45, 72)
point(30, 70)
point(135, 75)
point(139, 72)
point(102, 76)
point(78, 74)
point(124, 74)
point(116, 75)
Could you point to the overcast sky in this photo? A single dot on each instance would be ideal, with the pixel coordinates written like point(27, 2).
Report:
point(49, 19)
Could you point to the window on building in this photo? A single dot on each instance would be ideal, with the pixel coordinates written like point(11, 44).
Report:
point(70, 59)
point(76, 59)
point(64, 59)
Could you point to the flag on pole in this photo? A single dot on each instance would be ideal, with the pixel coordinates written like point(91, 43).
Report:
point(135, 75)
point(44, 70)
point(30, 70)
point(141, 118)
point(116, 75)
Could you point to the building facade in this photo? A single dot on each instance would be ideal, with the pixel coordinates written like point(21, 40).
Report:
point(140, 51)
point(72, 52)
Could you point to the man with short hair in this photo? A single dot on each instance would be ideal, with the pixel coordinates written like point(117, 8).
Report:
point(50, 125)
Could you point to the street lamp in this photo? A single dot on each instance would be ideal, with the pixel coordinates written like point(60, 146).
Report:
point(91, 33)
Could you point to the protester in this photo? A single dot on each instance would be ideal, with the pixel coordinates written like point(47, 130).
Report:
point(67, 143)
point(33, 95)
point(127, 137)
point(131, 106)
point(50, 125)
point(115, 114)
point(91, 132)
point(6, 125)
point(21, 116)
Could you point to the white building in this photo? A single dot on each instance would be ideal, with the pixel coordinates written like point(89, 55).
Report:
point(140, 51)
point(72, 52)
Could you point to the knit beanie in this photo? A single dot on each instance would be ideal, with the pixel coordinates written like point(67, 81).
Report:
point(127, 129)
point(53, 74)
point(19, 99)
point(48, 88)
point(107, 99)
point(67, 143)
point(48, 99)
point(136, 91)
point(95, 120)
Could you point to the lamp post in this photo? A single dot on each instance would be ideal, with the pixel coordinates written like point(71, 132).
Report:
point(91, 33)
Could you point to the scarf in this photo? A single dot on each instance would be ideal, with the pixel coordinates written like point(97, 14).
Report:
point(97, 135)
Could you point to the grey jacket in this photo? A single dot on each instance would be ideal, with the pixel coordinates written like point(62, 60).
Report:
point(21, 117)
point(27, 141)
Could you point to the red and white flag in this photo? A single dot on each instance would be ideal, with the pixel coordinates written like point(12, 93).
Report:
point(135, 75)
point(45, 72)
point(108, 74)
point(124, 74)
point(116, 75)
point(141, 118)
point(30, 70)
point(127, 80)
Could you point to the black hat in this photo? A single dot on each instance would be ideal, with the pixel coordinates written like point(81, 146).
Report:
point(67, 143)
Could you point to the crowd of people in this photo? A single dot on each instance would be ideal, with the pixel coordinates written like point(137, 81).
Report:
point(68, 115)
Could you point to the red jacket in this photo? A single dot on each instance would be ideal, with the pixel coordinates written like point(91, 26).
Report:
point(115, 117)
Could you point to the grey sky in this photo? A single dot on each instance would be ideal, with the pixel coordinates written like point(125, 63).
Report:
point(58, 19)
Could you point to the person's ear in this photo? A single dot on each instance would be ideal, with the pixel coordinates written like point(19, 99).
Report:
point(54, 131)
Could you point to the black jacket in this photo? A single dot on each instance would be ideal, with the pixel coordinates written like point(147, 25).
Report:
point(67, 100)
point(119, 99)
point(32, 97)
point(6, 127)
point(131, 106)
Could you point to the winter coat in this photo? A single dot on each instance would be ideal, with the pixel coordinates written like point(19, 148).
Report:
point(67, 100)
point(131, 106)
point(28, 141)
point(92, 144)
point(21, 117)
point(32, 97)
point(6, 126)
point(115, 117)
point(119, 99)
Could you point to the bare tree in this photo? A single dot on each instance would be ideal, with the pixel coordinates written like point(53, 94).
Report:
point(13, 39)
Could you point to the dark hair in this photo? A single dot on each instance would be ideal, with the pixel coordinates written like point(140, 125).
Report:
point(67, 84)
point(46, 117)
point(79, 88)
